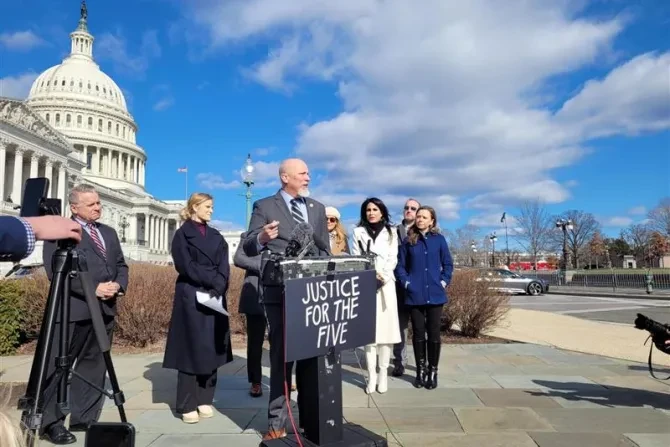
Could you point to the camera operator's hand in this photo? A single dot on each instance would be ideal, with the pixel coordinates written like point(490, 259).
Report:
point(51, 228)
point(270, 231)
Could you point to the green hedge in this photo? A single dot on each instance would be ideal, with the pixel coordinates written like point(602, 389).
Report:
point(10, 316)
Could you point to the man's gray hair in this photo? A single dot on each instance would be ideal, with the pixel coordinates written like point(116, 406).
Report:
point(83, 188)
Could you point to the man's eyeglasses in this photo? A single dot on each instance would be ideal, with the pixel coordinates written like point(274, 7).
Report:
point(413, 208)
point(332, 219)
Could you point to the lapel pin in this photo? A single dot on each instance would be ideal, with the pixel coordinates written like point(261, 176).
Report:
point(311, 205)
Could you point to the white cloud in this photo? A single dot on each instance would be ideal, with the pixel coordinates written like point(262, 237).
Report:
point(490, 220)
point(444, 99)
point(164, 104)
point(17, 86)
point(617, 221)
point(20, 40)
point(225, 225)
point(113, 47)
point(638, 210)
point(210, 180)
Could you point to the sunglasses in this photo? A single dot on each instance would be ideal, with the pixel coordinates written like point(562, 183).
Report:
point(332, 219)
point(413, 208)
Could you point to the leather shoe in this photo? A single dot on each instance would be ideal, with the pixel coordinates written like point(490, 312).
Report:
point(59, 435)
point(398, 371)
point(256, 390)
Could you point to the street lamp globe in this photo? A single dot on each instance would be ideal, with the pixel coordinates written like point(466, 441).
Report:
point(569, 225)
point(247, 172)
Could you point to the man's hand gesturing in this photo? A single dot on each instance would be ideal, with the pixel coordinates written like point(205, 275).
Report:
point(270, 231)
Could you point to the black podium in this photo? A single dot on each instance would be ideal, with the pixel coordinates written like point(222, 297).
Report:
point(329, 306)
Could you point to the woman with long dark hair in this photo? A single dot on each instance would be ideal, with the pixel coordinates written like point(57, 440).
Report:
point(424, 270)
point(374, 231)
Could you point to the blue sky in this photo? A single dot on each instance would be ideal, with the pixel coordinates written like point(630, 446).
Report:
point(469, 107)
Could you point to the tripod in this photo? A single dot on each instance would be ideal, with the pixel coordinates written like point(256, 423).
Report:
point(66, 265)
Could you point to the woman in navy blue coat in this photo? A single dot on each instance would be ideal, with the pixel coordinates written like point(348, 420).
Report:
point(198, 340)
point(424, 270)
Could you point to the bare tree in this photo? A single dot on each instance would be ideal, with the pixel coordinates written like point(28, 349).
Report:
point(659, 217)
point(534, 229)
point(460, 243)
point(638, 237)
point(584, 226)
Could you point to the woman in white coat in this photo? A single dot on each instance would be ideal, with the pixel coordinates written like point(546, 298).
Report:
point(375, 229)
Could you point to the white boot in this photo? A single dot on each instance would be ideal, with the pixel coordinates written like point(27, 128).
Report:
point(371, 363)
point(384, 358)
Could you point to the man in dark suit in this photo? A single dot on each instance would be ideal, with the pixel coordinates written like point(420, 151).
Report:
point(399, 349)
point(255, 314)
point(272, 221)
point(19, 234)
point(101, 249)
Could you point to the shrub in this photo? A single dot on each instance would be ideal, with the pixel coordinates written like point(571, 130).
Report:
point(10, 316)
point(145, 311)
point(472, 305)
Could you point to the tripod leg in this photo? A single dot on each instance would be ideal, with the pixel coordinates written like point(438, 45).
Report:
point(63, 359)
point(101, 336)
point(32, 402)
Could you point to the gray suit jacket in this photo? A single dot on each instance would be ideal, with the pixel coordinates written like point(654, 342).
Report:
point(249, 302)
point(274, 208)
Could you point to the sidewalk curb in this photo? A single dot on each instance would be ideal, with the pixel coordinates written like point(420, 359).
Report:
point(639, 296)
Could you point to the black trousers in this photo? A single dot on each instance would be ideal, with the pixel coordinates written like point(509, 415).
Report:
point(194, 390)
point(255, 336)
point(399, 349)
point(280, 371)
point(426, 319)
point(85, 401)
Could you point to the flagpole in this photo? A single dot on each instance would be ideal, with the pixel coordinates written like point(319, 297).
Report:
point(504, 219)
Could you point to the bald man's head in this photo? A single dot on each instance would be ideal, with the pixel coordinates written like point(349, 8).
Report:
point(294, 177)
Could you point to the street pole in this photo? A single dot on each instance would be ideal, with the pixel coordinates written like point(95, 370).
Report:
point(248, 196)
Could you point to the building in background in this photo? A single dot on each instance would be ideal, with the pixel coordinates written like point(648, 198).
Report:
point(75, 127)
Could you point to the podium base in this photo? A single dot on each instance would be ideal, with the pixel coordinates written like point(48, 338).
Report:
point(353, 436)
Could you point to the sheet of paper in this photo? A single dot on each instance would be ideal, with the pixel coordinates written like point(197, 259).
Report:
point(212, 302)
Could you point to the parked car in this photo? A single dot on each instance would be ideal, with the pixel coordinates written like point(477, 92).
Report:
point(508, 281)
point(20, 271)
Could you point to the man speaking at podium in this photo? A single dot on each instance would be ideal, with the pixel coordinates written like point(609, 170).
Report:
point(270, 227)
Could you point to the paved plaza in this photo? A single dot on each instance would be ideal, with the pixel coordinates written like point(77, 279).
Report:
point(503, 395)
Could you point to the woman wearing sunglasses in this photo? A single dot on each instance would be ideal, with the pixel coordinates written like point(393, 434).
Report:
point(339, 241)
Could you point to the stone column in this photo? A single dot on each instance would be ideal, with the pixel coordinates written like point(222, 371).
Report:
point(118, 164)
point(142, 173)
point(34, 165)
point(62, 186)
point(136, 177)
point(48, 173)
point(3, 170)
point(84, 152)
point(132, 229)
point(152, 231)
point(165, 228)
point(17, 186)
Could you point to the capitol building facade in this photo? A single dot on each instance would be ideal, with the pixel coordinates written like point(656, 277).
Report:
point(73, 128)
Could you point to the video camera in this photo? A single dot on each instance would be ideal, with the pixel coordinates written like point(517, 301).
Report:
point(659, 334)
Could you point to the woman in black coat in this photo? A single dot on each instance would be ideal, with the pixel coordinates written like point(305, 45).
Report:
point(256, 323)
point(198, 340)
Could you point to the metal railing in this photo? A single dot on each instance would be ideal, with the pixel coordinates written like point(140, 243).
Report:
point(613, 279)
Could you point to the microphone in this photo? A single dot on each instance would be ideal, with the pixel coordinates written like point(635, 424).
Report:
point(300, 237)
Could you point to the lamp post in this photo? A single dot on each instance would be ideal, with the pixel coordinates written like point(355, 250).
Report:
point(473, 247)
point(564, 225)
point(247, 174)
point(493, 238)
point(123, 224)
